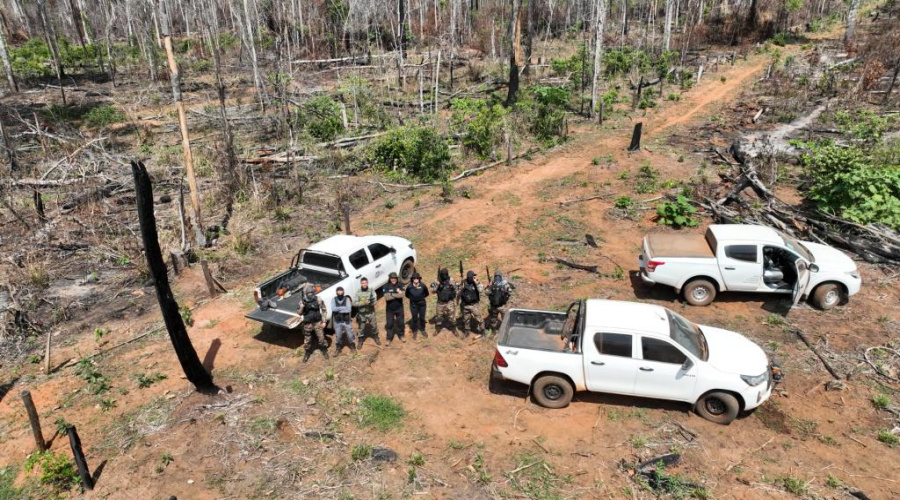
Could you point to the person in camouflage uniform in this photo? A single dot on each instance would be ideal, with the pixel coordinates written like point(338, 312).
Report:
point(498, 298)
point(445, 312)
point(470, 303)
point(312, 314)
point(365, 313)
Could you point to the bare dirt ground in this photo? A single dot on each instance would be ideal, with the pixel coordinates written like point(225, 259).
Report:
point(253, 442)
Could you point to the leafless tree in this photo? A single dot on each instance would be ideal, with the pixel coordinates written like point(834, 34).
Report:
point(599, 21)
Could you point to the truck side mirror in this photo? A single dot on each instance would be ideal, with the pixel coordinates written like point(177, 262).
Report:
point(688, 364)
point(393, 250)
point(813, 268)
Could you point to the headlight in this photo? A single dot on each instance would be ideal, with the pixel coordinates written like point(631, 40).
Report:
point(754, 380)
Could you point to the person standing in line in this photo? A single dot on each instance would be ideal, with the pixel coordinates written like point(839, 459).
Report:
point(393, 308)
point(445, 289)
point(417, 292)
point(312, 314)
point(343, 328)
point(365, 314)
point(470, 301)
point(498, 295)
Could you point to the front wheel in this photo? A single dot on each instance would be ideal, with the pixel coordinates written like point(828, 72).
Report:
point(826, 296)
point(719, 407)
point(700, 293)
point(406, 271)
point(551, 391)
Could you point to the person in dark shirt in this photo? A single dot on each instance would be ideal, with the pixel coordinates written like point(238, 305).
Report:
point(417, 292)
point(393, 308)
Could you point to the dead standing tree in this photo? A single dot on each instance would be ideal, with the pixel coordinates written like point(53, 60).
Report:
point(185, 143)
point(187, 356)
point(514, 36)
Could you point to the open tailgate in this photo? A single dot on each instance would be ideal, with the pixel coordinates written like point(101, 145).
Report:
point(284, 315)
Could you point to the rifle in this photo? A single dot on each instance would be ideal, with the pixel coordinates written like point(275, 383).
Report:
point(487, 276)
point(461, 276)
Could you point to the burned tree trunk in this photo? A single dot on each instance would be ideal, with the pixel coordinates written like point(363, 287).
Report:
point(187, 356)
point(636, 137)
point(514, 39)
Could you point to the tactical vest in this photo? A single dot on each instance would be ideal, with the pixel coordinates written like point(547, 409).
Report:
point(469, 294)
point(417, 294)
point(498, 296)
point(446, 292)
point(311, 311)
point(362, 302)
point(341, 317)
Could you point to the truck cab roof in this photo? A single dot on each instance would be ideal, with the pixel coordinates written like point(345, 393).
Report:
point(344, 244)
point(628, 316)
point(745, 232)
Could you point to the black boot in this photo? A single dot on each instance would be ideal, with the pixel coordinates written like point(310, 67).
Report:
point(306, 356)
point(325, 353)
point(377, 340)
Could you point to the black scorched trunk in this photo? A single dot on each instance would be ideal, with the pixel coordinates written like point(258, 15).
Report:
point(187, 356)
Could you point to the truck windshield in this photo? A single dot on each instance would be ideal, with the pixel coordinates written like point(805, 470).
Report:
point(688, 335)
point(796, 247)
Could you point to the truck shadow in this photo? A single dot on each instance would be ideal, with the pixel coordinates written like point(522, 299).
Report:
point(281, 337)
point(776, 304)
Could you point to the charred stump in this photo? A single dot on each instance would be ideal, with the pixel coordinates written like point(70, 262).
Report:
point(75, 443)
point(187, 356)
point(636, 137)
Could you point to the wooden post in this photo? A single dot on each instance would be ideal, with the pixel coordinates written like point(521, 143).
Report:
point(187, 356)
point(35, 421)
point(345, 212)
point(80, 461)
point(600, 114)
point(210, 284)
point(636, 137)
point(47, 354)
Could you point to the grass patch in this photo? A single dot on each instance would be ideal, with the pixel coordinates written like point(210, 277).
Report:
point(881, 401)
point(793, 485)
point(533, 477)
point(381, 412)
point(56, 471)
point(361, 452)
point(144, 381)
point(888, 438)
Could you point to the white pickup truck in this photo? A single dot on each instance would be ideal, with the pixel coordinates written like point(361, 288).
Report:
point(340, 260)
point(747, 258)
point(633, 349)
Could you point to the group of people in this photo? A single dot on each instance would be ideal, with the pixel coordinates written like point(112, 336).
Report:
point(450, 294)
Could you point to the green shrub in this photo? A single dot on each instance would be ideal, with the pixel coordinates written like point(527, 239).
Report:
point(97, 383)
point(860, 185)
point(864, 125)
point(381, 412)
point(361, 452)
point(546, 109)
point(480, 123)
point(888, 438)
point(780, 39)
point(678, 213)
point(417, 152)
point(56, 470)
point(881, 401)
point(102, 116)
point(624, 202)
point(31, 59)
point(794, 485)
point(321, 117)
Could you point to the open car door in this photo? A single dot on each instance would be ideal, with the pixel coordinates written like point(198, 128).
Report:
point(803, 277)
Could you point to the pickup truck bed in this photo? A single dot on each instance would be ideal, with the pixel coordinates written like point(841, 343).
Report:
point(285, 313)
point(679, 245)
point(534, 330)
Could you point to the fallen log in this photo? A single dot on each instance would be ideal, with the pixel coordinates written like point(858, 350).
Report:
point(580, 267)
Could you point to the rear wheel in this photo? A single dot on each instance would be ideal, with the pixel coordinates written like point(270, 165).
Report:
point(700, 293)
point(406, 271)
point(552, 391)
point(719, 407)
point(826, 296)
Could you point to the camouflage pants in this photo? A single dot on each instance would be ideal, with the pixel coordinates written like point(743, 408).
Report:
point(313, 336)
point(471, 314)
point(494, 319)
point(445, 315)
point(367, 327)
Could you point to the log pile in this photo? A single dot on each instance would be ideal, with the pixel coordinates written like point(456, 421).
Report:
point(874, 243)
